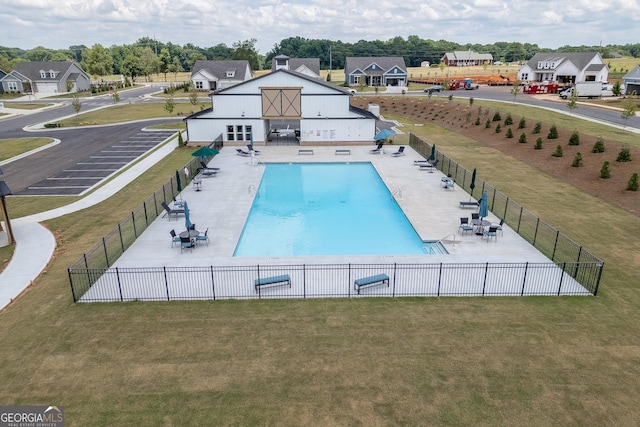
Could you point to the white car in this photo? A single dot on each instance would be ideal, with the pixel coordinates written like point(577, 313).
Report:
point(351, 91)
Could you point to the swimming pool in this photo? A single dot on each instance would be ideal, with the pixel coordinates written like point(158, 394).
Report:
point(327, 209)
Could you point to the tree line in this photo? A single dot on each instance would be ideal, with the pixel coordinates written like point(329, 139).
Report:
point(148, 56)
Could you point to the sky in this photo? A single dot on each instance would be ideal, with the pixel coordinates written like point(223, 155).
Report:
point(58, 24)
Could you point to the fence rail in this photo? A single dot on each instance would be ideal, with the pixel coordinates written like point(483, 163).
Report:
point(572, 270)
point(334, 280)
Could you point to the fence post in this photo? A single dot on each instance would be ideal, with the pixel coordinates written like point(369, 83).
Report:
point(493, 200)
point(121, 241)
point(439, 279)
point(155, 203)
point(555, 245)
point(349, 282)
point(524, 279)
point(595, 291)
point(506, 206)
point(133, 220)
point(393, 292)
point(519, 220)
point(213, 283)
point(166, 282)
point(73, 293)
point(575, 273)
point(564, 267)
point(304, 281)
point(119, 284)
point(106, 254)
point(86, 266)
point(144, 208)
point(484, 281)
point(535, 234)
point(259, 287)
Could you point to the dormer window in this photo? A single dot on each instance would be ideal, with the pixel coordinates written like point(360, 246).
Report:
point(52, 74)
point(43, 74)
point(231, 73)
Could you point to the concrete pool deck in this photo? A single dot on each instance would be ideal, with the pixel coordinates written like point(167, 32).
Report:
point(225, 200)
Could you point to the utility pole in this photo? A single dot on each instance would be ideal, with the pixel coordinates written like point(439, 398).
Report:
point(330, 62)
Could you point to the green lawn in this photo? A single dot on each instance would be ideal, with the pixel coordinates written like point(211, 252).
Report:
point(14, 147)
point(532, 361)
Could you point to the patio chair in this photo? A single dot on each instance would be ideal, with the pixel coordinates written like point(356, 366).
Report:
point(186, 243)
point(499, 226)
point(174, 237)
point(204, 167)
point(378, 149)
point(475, 215)
point(465, 226)
point(400, 152)
point(169, 211)
point(192, 227)
point(203, 237)
point(491, 232)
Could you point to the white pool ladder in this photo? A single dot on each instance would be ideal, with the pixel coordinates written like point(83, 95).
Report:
point(254, 189)
point(396, 192)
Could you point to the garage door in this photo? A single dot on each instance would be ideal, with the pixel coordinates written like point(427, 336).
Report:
point(47, 87)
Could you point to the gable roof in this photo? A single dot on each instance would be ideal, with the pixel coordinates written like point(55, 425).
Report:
point(468, 55)
point(312, 64)
point(31, 69)
point(353, 63)
point(634, 74)
point(579, 59)
point(219, 68)
point(291, 73)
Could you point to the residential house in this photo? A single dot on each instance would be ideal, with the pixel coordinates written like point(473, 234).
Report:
point(565, 68)
point(2, 74)
point(632, 81)
point(307, 66)
point(46, 78)
point(466, 58)
point(309, 111)
point(375, 71)
point(215, 75)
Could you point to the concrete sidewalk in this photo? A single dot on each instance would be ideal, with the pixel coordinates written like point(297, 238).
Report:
point(35, 243)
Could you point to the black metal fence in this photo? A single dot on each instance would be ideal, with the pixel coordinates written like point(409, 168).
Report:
point(553, 244)
point(94, 267)
point(334, 281)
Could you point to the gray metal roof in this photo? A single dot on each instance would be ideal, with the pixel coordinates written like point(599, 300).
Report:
point(31, 69)
point(386, 63)
point(579, 59)
point(219, 68)
point(634, 74)
point(294, 63)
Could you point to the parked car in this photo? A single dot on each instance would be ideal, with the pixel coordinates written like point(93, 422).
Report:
point(351, 91)
point(434, 88)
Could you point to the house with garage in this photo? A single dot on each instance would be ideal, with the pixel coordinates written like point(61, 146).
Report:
point(215, 75)
point(564, 68)
point(466, 58)
point(375, 71)
point(2, 74)
point(307, 66)
point(631, 81)
point(46, 78)
point(281, 107)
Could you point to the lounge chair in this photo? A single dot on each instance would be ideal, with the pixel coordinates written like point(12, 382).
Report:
point(400, 152)
point(250, 148)
point(491, 232)
point(429, 166)
point(170, 211)
point(464, 225)
point(378, 149)
point(203, 166)
point(241, 152)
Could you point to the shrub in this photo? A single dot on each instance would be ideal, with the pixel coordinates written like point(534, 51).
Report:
point(632, 185)
point(575, 138)
point(577, 160)
point(522, 124)
point(497, 117)
point(508, 120)
point(52, 125)
point(487, 125)
point(478, 121)
point(598, 147)
point(509, 133)
point(538, 145)
point(498, 128)
point(605, 173)
point(471, 101)
point(624, 155)
point(523, 138)
point(553, 133)
point(180, 140)
point(558, 152)
point(537, 128)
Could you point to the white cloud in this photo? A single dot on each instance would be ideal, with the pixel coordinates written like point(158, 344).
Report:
point(61, 23)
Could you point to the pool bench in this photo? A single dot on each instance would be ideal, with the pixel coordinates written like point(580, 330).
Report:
point(378, 279)
point(347, 152)
point(468, 205)
point(305, 151)
point(284, 279)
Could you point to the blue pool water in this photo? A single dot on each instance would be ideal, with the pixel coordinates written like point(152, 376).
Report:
point(326, 209)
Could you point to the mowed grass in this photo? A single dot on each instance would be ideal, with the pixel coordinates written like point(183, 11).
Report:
point(410, 361)
point(16, 146)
